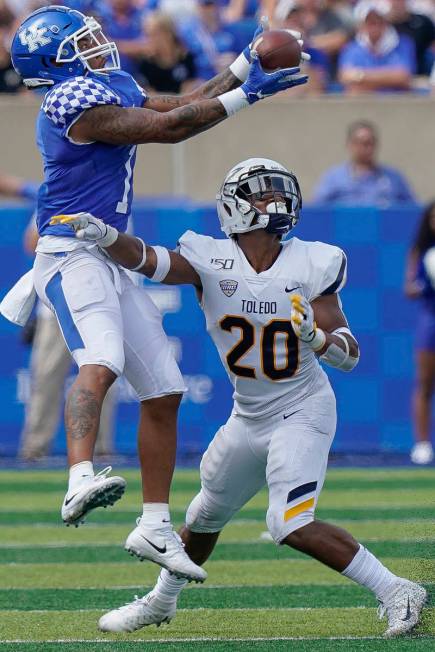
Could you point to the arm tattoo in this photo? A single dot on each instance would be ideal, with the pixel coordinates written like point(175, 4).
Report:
point(120, 126)
point(219, 84)
point(222, 83)
point(82, 413)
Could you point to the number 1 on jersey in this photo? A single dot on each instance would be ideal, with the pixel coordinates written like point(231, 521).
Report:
point(122, 206)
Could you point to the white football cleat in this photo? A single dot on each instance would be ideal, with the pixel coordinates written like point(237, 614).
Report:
point(149, 610)
point(422, 453)
point(164, 547)
point(96, 491)
point(403, 607)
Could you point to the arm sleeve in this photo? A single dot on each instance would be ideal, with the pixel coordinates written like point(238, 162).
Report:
point(67, 101)
point(328, 270)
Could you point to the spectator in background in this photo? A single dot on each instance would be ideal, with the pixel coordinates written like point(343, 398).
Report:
point(122, 22)
point(12, 186)
point(420, 284)
point(419, 28)
point(9, 80)
point(378, 59)
point(168, 66)
point(324, 27)
point(317, 67)
point(361, 179)
point(237, 10)
point(223, 40)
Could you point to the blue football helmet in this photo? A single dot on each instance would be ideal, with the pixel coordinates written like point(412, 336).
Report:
point(45, 49)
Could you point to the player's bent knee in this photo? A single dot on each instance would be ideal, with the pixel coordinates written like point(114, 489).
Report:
point(280, 528)
point(203, 516)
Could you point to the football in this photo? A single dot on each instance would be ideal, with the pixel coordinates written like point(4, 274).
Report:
point(276, 49)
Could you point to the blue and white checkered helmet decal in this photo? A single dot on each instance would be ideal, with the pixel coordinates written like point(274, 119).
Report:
point(74, 96)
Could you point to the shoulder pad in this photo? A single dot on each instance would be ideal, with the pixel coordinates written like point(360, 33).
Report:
point(75, 95)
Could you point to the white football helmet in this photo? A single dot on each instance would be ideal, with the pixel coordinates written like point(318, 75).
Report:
point(247, 183)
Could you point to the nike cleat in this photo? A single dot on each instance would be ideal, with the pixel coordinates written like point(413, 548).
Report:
point(96, 491)
point(149, 610)
point(403, 607)
point(164, 547)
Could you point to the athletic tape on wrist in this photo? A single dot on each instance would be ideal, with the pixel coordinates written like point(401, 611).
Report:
point(234, 101)
point(110, 238)
point(163, 264)
point(144, 256)
point(240, 68)
point(318, 341)
point(334, 355)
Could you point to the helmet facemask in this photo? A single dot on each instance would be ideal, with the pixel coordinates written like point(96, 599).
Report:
point(69, 49)
point(279, 188)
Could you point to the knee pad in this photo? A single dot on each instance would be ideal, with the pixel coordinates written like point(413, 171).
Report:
point(204, 516)
point(280, 528)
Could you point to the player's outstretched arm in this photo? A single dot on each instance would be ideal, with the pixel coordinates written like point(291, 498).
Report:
point(124, 126)
point(225, 81)
point(157, 263)
point(323, 326)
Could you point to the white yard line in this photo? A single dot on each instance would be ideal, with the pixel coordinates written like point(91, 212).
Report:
point(200, 639)
point(286, 609)
point(93, 544)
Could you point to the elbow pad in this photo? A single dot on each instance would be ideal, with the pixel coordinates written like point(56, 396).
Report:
point(334, 355)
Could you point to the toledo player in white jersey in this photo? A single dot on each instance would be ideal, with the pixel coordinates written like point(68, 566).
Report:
point(272, 308)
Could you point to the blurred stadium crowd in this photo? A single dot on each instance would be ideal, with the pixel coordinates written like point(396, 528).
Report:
point(172, 45)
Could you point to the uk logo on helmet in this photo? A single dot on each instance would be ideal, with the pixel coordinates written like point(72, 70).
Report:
point(34, 37)
point(228, 287)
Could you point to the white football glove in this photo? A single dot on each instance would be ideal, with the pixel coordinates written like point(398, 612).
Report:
point(304, 326)
point(89, 228)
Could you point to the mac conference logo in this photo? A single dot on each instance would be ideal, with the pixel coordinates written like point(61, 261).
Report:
point(228, 287)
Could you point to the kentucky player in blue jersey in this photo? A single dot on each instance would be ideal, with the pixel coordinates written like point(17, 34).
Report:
point(92, 118)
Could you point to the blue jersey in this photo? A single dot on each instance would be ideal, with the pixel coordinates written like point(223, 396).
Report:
point(93, 177)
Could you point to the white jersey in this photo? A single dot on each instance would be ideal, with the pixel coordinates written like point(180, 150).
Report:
point(248, 316)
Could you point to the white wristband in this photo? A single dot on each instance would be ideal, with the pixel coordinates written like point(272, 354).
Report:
point(144, 256)
point(163, 264)
point(240, 67)
point(110, 238)
point(318, 341)
point(234, 101)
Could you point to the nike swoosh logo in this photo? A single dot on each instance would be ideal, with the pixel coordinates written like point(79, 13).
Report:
point(67, 502)
point(286, 416)
point(160, 550)
point(291, 290)
point(408, 611)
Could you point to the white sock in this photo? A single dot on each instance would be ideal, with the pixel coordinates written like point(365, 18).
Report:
point(156, 515)
point(368, 571)
point(78, 473)
point(168, 586)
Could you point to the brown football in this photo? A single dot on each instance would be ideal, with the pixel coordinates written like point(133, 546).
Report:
point(277, 48)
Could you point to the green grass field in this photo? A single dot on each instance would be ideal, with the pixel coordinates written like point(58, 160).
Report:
point(55, 582)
